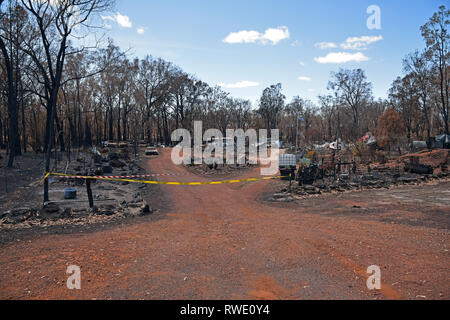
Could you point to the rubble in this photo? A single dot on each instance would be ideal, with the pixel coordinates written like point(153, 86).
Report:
point(115, 163)
point(107, 169)
point(218, 169)
point(411, 169)
point(364, 183)
point(69, 205)
point(145, 210)
point(18, 215)
point(281, 197)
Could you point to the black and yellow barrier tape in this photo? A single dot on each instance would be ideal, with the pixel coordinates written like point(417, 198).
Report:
point(109, 178)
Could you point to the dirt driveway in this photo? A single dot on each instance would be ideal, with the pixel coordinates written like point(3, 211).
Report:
point(225, 242)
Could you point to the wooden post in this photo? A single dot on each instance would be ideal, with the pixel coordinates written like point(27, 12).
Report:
point(89, 193)
point(290, 181)
point(334, 164)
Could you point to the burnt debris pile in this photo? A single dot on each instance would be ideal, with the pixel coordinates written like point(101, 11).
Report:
point(338, 176)
point(71, 202)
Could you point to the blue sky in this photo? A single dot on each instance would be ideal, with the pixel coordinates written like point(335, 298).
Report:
point(272, 41)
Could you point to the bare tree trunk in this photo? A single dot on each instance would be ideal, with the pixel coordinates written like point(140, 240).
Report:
point(119, 137)
point(24, 130)
point(1, 132)
point(124, 125)
point(12, 106)
point(60, 133)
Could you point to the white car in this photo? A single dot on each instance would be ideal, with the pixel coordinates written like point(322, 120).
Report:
point(151, 152)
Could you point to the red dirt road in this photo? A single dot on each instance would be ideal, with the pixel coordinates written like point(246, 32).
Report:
point(224, 242)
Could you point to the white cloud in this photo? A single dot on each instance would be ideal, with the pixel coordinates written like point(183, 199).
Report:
point(123, 21)
point(271, 35)
point(275, 35)
point(325, 45)
point(303, 78)
point(360, 43)
point(243, 37)
point(108, 18)
point(140, 30)
point(341, 57)
point(238, 85)
point(296, 43)
point(302, 63)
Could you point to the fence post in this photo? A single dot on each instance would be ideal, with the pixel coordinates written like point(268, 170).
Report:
point(290, 181)
point(89, 193)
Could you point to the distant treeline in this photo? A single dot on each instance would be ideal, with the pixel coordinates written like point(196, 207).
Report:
point(53, 93)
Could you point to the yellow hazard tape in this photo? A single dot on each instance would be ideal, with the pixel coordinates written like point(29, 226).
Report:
point(45, 177)
point(164, 182)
